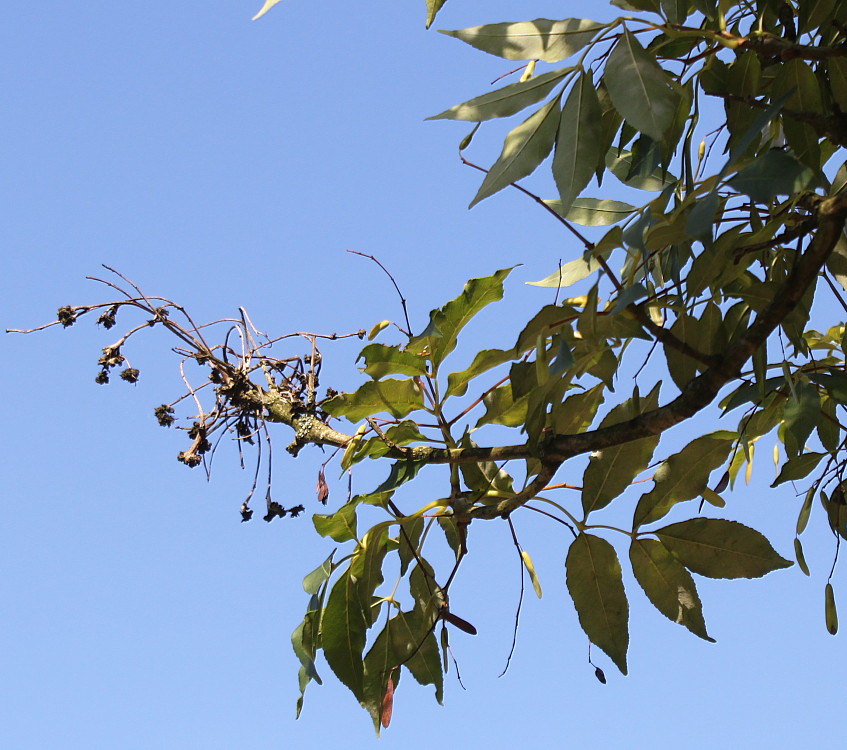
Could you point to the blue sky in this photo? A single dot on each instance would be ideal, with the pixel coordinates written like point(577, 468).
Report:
point(223, 163)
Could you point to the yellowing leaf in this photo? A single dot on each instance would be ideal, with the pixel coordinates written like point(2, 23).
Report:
point(530, 568)
point(383, 324)
point(265, 8)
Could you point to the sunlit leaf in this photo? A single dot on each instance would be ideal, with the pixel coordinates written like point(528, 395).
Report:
point(397, 397)
point(540, 39)
point(381, 360)
point(415, 645)
point(339, 526)
point(441, 334)
point(366, 568)
point(530, 568)
point(432, 8)
point(457, 382)
point(506, 101)
point(595, 584)
point(593, 212)
point(265, 8)
point(721, 549)
point(313, 581)
point(379, 668)
point(343, 629)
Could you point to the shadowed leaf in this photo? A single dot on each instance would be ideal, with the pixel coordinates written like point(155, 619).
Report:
point(596, 586)
point(721, 549)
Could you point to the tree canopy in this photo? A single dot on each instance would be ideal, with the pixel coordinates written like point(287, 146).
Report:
point(696, 299)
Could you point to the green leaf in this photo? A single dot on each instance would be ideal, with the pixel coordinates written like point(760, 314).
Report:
point(409, 538)
point(639, 88)
point(800, 557)
point(646, 5)
point(683, 476)
point(457, 382)
point(400, 473)
point(484, 476)
point(576, 413)
point(383, 360)
point(829, 429)
point(800, 417)
point(397, 397)
point(265, 8)
point(744, 75)
point(304, 641)
point(313, 581)
point(541, 39)
point(593, 212)
point(432, 8)
point(506, 101)
point(798, 467)
point(805, 510)
point(366, 568)
point(441, 334)
point(771, 174)
point(569, 273)
point(676, 11)
point(525, 147)
point(414, 641)
point(813, 14)
point(797, 80)
point(721, 549)
point(343, 632)
point(838, 80)
point(502, 408)
point(830, 612)
point(668, 585)
point(339, 526)
point(578, 142)
point(595, 584)
point(380, 663)
point(577, 270)
point(611, 470)
point(620, 165)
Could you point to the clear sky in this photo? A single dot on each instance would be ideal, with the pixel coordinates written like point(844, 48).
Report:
point(223, 163)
